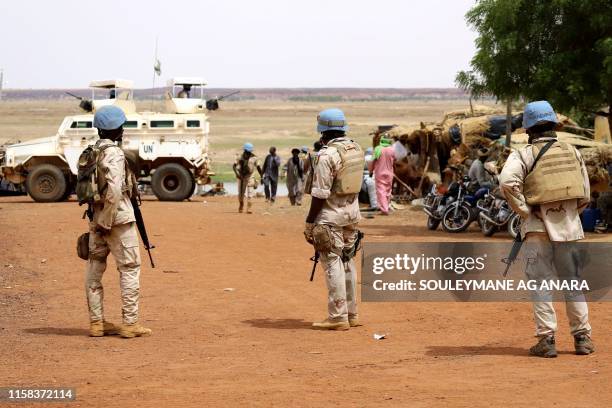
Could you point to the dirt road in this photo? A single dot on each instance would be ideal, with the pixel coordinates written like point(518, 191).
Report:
point(252, 345)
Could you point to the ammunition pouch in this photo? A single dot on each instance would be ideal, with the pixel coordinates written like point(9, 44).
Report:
point(83, 246)
point(323, 240)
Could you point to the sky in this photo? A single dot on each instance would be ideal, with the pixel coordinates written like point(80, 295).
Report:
point(236, 43)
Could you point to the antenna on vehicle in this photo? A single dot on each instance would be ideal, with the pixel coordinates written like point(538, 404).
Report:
point(156, 71)
point(1, 81)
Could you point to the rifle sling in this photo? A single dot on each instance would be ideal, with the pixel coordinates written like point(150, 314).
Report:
point(540, 154)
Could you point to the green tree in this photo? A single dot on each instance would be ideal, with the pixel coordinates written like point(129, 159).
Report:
point(558, 50)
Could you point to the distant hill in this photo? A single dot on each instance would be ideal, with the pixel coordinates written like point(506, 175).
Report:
point(293, 94)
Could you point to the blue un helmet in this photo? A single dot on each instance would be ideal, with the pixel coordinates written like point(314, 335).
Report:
point(248, 147)
point(109, 117)
point(331, 119)
point(538, 112)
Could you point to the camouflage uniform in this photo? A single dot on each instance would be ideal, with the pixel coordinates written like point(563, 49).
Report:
point(115, 215)
point(341, 214)
point(556, 222)
point(246, 182)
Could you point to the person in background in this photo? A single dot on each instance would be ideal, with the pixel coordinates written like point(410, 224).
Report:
point(244, 169)
point(295, 177)
point(270, 174)
point(481, 181)
point(382, 166)
point(478, 173)
point(185, 92)
point(369, 184)
point(309, 166)
point(604, 203)
point(304, 152)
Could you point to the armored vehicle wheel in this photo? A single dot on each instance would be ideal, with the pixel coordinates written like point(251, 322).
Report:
point(172, 182)
point(46, 183)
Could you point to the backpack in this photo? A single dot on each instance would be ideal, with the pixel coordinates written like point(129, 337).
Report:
point(87, 188)
point(245, 168)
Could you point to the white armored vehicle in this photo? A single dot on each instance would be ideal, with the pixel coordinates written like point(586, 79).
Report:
point(167, 150)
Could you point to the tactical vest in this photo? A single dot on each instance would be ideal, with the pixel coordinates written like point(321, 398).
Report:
point(350, 175)
point(91, 183)
point(557, 176)
point(246, 167)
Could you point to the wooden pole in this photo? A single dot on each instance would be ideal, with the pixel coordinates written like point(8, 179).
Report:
point(508, 122)
point(406, 186)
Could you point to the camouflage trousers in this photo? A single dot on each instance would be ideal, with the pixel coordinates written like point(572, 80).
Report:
point(122, 242)
point(550, 261)
point(341, 277)
point(245, 190)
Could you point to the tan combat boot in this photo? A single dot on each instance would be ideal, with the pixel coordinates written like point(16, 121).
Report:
point(102, 328)
point(354, 321)
point(583, 344)
point(129, 331)
point(328, 325)
point(249, 210)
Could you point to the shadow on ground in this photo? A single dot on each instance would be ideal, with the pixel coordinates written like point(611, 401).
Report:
point(278, 323)
point(447, 351)
point(57, 331)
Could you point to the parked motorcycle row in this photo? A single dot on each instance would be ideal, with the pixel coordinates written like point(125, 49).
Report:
point(458, 206)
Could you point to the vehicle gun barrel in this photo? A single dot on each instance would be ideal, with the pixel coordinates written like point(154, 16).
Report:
point(85, 104)
point(213, 104)
point(228, 95)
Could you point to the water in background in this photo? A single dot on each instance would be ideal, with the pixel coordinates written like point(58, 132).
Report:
point(231, 188)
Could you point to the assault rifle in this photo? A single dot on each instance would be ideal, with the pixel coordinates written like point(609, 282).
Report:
point(314, 259)
point(142, 229)
point(516, 248)
point(347, 255)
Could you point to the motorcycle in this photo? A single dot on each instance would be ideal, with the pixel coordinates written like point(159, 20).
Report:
point(459, 214)
point(495, 213)
point(434, 205)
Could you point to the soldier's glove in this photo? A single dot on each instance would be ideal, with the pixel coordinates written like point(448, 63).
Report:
point(308, 232)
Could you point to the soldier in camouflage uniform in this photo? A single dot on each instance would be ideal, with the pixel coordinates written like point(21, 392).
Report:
point(551, 226)
point(244, 169)
point(113, 230)
point(331, 225)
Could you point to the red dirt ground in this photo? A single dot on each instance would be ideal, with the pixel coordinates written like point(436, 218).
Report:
point(253, 346)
